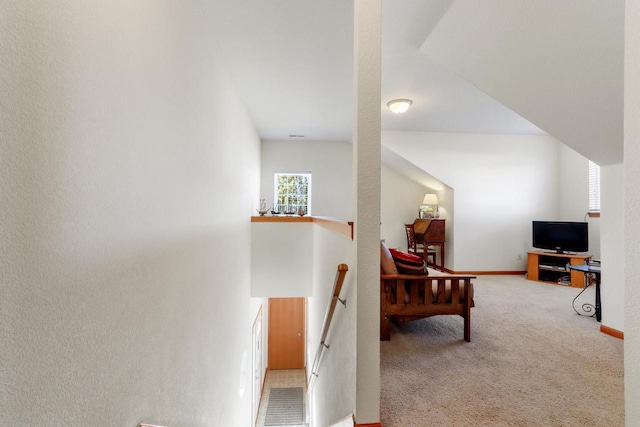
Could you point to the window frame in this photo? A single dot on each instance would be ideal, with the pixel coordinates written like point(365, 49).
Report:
point(296, 205)
point(594, 190)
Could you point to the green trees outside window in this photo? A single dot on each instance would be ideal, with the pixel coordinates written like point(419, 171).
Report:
point(292, 193)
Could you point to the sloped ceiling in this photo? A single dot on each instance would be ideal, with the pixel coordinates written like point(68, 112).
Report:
point(442, 100)
point(558, 63)
point(490, 66)
point(410, 170)
point(292, 62)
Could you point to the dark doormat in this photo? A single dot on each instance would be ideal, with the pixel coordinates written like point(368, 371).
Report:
point(285, 407)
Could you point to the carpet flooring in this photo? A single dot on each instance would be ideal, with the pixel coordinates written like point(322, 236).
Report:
point(532, 361)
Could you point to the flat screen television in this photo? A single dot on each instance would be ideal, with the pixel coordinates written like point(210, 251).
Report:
point(561, 236)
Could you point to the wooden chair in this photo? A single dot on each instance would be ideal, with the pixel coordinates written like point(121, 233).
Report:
point(406, 298)
point(430, 233)
point(417, 248)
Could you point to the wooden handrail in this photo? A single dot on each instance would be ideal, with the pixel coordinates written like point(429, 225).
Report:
point(335, 297)
point(344, 228)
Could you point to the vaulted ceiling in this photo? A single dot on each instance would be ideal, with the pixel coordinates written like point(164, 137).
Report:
point(496, 66)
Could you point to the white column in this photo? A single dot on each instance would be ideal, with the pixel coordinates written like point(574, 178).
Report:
point(631, 209)
point(366, 155)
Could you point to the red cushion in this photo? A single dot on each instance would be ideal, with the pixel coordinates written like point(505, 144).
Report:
point(412, 269)
point(408, 263)
point(406, 258)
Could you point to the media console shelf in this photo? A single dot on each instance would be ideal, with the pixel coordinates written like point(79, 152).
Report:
point(552, 268)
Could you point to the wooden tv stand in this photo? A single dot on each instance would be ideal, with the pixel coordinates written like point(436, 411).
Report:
point(551, 267)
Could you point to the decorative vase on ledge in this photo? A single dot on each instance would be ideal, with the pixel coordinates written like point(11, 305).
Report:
point(263, 207)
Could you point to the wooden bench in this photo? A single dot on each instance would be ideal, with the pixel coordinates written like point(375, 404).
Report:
point(403, 298)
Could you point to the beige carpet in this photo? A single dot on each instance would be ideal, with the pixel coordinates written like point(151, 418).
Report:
point(532, 361)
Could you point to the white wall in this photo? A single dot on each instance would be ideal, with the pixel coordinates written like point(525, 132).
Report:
point(523, 55)
point(573, 194)
point(508, 169)
point(123, 298)
point(400, 199)
point(334, 391)
point(367, 156)
point(631, 209)
point(500, 184)
point(330, 164)
point(612, 211)
point(281, 259)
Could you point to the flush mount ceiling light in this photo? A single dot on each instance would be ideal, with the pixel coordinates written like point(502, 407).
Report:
point(399, 106)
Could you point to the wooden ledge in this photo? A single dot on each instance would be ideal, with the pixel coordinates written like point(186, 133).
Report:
point(344, 228)
point(290, 218)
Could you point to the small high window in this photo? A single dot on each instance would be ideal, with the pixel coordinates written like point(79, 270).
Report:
point(292, 192)
point(594, 187)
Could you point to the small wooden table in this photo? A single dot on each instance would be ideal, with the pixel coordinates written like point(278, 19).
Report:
point(595, 270)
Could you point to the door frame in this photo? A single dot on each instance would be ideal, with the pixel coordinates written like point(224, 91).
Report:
point(257, 378)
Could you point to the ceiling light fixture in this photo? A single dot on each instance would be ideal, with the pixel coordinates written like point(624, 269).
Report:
point(399, 106)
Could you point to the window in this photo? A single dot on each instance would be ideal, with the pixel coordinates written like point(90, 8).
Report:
point(594, 187)
point(292, 191)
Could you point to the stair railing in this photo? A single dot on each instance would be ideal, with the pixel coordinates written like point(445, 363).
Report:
point(335, 298)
